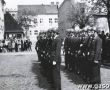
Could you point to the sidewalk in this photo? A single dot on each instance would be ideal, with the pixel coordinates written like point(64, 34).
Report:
point(18, 53)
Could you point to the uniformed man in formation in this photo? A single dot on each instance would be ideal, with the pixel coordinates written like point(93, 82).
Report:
point(105, 47)
point(83, 54)
point(48, 48)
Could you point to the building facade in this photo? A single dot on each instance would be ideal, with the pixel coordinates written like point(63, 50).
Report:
point(101, 23)
point(42, 23)
point(39, 18)
point(2, 2)
point(64, 13)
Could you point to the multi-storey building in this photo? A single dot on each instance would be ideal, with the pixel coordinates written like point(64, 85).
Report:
point(39, 18)
point(2, 2)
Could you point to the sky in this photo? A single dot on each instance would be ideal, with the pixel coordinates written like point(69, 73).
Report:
point(13, 3)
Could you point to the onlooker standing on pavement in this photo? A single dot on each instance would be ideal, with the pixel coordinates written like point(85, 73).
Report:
point(6, 44)
point(30, 44)
point(13, 46)
point(97, 59)
point(25, 45)
point(19, 45)
point(1, 45)
point(22, 45)
point(10, 46)
point(16, 46)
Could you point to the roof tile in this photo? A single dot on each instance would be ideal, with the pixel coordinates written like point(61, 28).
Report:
point(36, 9)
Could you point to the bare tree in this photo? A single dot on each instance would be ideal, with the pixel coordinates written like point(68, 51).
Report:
point(78, 16)
point(99, 5)
point(24, 18)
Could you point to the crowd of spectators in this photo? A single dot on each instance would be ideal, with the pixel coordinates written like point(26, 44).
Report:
point(15, 45)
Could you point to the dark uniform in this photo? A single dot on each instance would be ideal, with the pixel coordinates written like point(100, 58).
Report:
point(72, 50)
point(49, 59)
point(37, 48)
point(107, 50)
point(97, 60)
point(57, 43)
point(81, 53)
point(67, 52)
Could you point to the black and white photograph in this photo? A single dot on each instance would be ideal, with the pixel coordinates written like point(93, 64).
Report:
point(54, 44)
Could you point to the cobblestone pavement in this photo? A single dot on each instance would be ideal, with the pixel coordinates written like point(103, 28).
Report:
point(21, 71)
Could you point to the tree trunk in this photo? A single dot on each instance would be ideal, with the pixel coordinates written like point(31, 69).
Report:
point(108, 13)
point(108, 18)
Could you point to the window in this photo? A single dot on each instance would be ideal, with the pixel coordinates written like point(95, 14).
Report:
point(50, 20)
point(41, 20)
point(56, 20)
point(30, 33)
point(2, 10)
point(29, 21)
point(36, 32)
point(35, 20)
point(13, 15)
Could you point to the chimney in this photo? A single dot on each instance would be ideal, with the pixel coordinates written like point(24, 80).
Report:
point(52, 3)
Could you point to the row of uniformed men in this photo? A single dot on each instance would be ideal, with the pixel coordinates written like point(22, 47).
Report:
point(46, 48)
point(83, 55)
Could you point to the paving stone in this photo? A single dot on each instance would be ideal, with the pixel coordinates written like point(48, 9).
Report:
point(21, 71)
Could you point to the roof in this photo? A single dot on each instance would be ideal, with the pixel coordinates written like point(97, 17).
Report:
point(37, 9)
point(11, 24)
point(63, 3)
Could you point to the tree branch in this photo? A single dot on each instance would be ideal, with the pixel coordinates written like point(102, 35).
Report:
point(104, 2)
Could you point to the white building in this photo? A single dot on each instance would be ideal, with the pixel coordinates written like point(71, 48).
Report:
point(42, 23)
point(40, 18)
point(2, 2)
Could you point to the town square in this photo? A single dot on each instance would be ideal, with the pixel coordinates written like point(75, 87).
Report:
point(55, 45)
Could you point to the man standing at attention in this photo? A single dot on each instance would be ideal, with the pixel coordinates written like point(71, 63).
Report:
point(56, 53)
point(97, 59)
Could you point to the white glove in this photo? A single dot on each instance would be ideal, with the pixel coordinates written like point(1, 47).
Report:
point(81, 45)
point(83, 54)
point(54, 63)
point(96, 61)
point(88, 53)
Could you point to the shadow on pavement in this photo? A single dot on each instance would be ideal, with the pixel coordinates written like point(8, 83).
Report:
point(106, 65)
point(72, 77)
point(40, 76)
point(43, 82)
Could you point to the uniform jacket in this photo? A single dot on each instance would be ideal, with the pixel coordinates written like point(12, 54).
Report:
point(98, 48)
point(56, 45)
